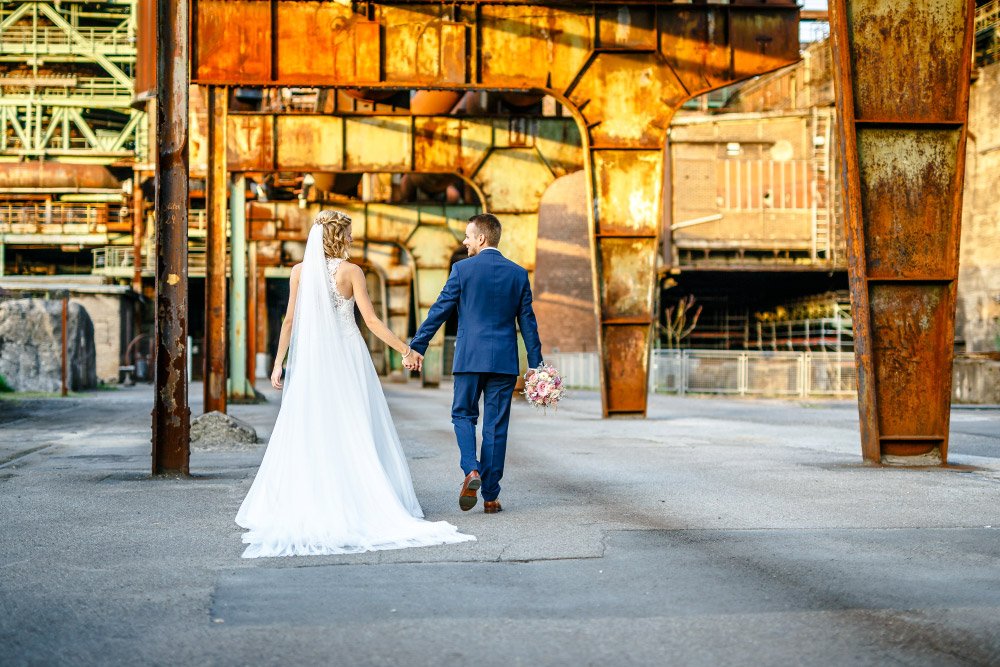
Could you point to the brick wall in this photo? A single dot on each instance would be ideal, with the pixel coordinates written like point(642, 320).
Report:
point(563, 289)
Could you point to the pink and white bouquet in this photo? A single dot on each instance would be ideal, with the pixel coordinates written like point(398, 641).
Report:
point(543, 387)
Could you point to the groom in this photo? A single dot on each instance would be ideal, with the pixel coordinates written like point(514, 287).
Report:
point(491, 294)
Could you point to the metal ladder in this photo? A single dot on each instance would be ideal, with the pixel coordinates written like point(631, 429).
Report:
point(822, 233)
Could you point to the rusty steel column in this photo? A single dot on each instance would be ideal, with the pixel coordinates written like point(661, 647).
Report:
point(902, 82)
point(215, 265)
point(626, 188)
point(171, 414)
point(137, 231)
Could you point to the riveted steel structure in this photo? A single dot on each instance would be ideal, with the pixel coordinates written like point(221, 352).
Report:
point(903, 134)
point(508, 160)
point(621, 67)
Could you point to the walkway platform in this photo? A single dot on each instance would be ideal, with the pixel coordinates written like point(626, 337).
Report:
point(716, 532)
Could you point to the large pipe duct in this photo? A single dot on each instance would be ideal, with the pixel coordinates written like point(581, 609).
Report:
point(57, 175)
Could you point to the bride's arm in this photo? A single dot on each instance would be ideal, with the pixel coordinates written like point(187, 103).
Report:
point(286, 327)
point(374, 324)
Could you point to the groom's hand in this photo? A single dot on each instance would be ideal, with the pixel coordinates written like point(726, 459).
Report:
point(416, 361)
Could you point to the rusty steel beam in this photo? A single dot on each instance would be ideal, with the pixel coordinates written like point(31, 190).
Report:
point(622, 68)
point(171, 414)
point(491, 152)
point(902, 136)
point(215, 266)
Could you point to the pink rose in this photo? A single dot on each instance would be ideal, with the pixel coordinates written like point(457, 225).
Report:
point(543, 389)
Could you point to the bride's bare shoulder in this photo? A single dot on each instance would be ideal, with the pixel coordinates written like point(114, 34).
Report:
point(296, 270)
point(351, 268)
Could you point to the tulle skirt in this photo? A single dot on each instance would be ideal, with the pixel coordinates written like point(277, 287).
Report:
point(334, 479)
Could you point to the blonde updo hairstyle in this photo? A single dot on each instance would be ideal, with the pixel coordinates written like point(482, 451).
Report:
point(335, 227)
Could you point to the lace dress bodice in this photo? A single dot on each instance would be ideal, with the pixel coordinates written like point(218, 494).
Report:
point(344, 307)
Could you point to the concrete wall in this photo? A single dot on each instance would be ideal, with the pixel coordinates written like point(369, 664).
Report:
point(109, 314)
point(978, 313)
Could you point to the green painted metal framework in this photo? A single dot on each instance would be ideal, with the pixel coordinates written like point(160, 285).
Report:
point(66, 82)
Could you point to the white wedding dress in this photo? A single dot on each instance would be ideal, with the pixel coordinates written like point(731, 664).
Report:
point(334, 479)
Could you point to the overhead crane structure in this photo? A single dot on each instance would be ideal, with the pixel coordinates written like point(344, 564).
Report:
point(622, 69)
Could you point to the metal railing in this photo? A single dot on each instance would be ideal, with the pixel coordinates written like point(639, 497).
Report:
point(81, 39)
point(120, 260)
point(738, 373)
point(41, 218)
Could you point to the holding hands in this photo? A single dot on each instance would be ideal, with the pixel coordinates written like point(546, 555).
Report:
point(413, 360)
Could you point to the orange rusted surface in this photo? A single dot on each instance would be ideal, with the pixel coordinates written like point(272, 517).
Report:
point(902, 81)
point(622, 68)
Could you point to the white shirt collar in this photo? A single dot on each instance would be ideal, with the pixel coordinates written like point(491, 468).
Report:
point(488, 248)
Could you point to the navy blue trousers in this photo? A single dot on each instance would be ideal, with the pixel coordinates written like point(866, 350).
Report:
point(496, 391)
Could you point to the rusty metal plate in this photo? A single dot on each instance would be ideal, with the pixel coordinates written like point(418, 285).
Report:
point(429, 282)
point(909, 195)
point(695, 43)
point(232, 42)
point(559, 143)
point(629, 98)
point(422, 44)
point(514, 180)
point(624, 27)
point(626, 361)
point(922, 41)
point(367, 53)
point(551, 39)
point(912, 329)
point(437, 142)
point(454, 66)
point(310, 143)
point(249, 145)
point(145, 44)
point(315, 42)
point(628, 185)
point(627, 277)
point(378, 143)
point(518, 240)
point(762, 40)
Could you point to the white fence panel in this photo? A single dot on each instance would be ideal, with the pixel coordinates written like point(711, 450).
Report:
point(774, 373)
point(580, 370)
point(750, 373)
point(713, 372)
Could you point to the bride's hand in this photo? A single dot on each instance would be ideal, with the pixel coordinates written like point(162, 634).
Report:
point(276, 377)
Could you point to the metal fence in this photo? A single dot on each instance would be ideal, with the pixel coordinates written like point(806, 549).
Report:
point(739, 373)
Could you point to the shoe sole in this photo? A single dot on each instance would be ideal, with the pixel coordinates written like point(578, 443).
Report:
point(467, 501)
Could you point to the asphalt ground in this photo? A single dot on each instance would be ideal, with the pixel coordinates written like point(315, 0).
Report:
point(715, 532)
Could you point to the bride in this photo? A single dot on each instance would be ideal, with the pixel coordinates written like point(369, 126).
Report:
point(334, 479)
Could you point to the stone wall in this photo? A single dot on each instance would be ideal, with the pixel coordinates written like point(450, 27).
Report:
point(31, 345)
point(978, 313)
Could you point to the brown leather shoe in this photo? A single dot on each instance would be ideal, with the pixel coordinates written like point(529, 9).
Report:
point(492, 506)
point(468, 498)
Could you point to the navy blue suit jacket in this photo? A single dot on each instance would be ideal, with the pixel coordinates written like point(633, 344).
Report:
point(491, 294)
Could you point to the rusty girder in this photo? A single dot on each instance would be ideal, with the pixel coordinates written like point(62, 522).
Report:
point(902, 80)
point(622, 68)
point(214, 373)
point(171, 414)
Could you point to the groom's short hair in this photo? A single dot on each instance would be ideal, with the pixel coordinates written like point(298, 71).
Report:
point(489, 226)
